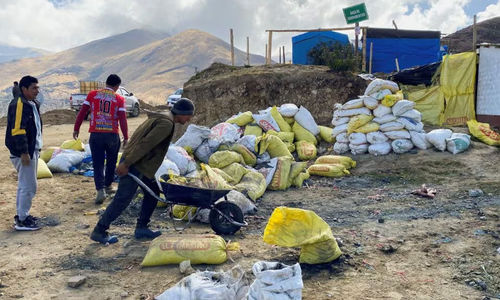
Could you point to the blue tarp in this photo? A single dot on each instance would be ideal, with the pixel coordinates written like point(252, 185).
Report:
point(303, 43)
point(411, 48)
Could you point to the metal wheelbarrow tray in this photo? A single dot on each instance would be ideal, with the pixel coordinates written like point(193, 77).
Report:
point(225, 217)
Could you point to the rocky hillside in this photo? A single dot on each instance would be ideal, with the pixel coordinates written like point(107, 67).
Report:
point(487, 32)
point(221, 91)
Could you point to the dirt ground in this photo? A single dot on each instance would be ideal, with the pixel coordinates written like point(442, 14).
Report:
point(442, 248)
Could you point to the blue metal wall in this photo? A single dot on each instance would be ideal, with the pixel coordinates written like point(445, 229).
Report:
point(303, 43)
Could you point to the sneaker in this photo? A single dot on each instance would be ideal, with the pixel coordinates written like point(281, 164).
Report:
point(29, 224)
point(146, 233)
point(103, 237)
point(110, 190)
point(101, 196)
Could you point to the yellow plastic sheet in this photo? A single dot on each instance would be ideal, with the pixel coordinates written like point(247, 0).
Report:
point(294, 227)
point(429, 102)
point(458, 77)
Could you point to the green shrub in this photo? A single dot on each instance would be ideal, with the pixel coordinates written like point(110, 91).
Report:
point(336, 56)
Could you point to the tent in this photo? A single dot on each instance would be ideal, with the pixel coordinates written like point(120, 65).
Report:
point(303, 43)
point(411, 48)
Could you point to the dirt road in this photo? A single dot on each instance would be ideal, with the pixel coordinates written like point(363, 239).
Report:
point(396, 245)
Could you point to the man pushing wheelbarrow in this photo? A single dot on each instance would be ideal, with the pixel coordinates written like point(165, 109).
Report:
point(142, 156)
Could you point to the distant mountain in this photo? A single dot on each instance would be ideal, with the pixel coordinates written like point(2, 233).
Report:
point(150, 64)
point(488, 31)
point(10, 53)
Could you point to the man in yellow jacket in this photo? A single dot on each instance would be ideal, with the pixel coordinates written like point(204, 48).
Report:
point(143, 155)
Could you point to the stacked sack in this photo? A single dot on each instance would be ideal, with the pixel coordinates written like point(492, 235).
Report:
point(382, 121)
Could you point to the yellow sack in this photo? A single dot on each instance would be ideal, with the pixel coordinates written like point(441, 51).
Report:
point(483, 132)
point(390, 100)
point(274, 146)
point(357, 121)
point(290, 147)
point(212, 180)
point(235, 171)
point(43, 171)
point(253, 184)
point(46, 154)
point(299, 180)
point(305, 150)
point(328, 170)
point(346, 161)
point(253, 129)
point(224, 175)
point(248, 156)
point(73, 144)
point(241, 119)
point(295, 169)
point(220, 159)
point(284, 126)
point(281, 173)
point(286, 137)
point(289, 120)
point(369, 127)
point(199, 249)
point(184, 212)
point(326, 134)
point(302, 134)
point(294, 227)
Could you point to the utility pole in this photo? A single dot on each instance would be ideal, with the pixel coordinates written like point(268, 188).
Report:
point(232, 46)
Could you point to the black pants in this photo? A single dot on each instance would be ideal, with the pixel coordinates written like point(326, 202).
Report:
point(126, 191)
point(104, 146)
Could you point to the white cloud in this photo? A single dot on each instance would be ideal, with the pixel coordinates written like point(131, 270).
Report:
point(38, 23)
point(491, 11)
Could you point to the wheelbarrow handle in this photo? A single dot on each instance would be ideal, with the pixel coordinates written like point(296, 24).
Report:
point(146, 188)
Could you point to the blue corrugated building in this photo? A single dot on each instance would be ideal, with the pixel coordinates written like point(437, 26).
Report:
point(411, 48)
point(303, 43)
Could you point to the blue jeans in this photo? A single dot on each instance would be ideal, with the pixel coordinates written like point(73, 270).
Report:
point(124, 195)
point(104, 146)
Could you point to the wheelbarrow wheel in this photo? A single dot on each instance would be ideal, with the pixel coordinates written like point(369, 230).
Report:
point(219, 223)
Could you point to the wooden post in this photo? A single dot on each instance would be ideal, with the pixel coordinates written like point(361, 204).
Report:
point(269, 48)
point(371, 55)
point(356, 33)
point(363, 66)
point(280, 55)
point(248, 51)
point(284, 60)
point(232, 46)
point(474, 35)
point(397, 64)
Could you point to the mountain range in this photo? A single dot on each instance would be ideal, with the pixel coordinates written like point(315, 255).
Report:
point(151, 64)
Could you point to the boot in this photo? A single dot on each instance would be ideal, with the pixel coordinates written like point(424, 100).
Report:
point(101, 196)
point(146, 233)
point(103, 237)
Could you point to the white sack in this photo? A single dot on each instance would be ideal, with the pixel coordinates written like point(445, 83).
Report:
point(342, 138)
point(63, 159)
point(352, 112)
point(380, 149)
point(402, 106)
point(385, 119)
point(266, 121)
point(166, 167)
point(204, 151)
point(419, 140)
point(458, 142)
point(398, 134)
point(413, 114)
point(276, 281)
point(401, 146)
point(340, 148)
point(336, 121)
point(370, 102)
point(224, 133)
point(306, 120)
point(357, 138)
point(391, 126)
point(381, 111)
point(380, 84)
point(263, 158)
point(288, 110)
point(246, 205)
point(437, 138)
point(376, 137)
point(410, 124)
point(339, 129)
point(181, 158)
point(248, 141)
point(193, 137)
point(358, 149)
point(381, 94)
point(351, 104)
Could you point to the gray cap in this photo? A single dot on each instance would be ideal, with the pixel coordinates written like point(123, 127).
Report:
point(183, 106)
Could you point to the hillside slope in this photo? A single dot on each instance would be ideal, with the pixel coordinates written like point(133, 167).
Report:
point(461, 41)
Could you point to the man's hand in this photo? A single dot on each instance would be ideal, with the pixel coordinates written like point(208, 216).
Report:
point(122, 169)
point(25, 159)
point(124, 143)
point(75, 134)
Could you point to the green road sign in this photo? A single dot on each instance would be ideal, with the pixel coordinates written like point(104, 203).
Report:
point(356, 13)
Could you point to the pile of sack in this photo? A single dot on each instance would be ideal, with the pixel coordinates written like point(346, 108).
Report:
point(382, 121)
point(62, 159)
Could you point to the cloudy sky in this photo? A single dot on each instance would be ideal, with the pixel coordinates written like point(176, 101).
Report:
point(56, 25)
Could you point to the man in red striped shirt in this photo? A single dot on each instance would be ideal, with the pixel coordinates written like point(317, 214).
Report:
point(107, 109)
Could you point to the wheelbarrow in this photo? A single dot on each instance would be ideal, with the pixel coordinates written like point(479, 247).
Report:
point(225, 217)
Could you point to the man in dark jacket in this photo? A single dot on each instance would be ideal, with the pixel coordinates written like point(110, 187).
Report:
point(142, 157)
point(23, 138)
